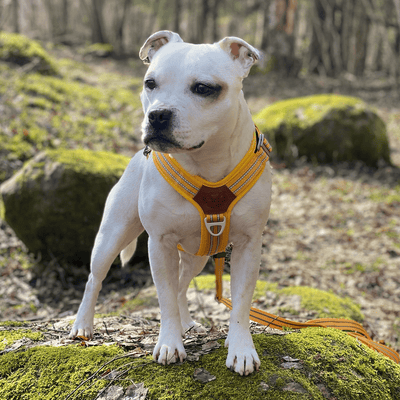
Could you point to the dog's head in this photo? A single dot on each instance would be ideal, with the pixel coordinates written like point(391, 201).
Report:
point(191, 92)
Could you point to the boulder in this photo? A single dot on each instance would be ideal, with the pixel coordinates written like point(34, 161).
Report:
point(325, 129)
point(56, 201)
point(20, 50)
point(315, 363)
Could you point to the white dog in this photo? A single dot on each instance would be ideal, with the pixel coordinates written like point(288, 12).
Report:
point(195, 111)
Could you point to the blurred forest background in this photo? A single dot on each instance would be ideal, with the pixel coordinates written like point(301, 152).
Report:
point(328, 37)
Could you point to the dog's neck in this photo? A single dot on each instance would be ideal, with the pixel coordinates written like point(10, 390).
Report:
point(218, 157)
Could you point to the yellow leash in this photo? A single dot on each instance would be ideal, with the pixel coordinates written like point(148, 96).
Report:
point(352, 328)
point(215, 201)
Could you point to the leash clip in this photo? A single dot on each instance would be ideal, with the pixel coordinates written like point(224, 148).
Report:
point(210, 225)
point(146, 151)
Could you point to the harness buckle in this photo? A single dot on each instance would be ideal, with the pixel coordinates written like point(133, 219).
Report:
point(260, 142)
point(210, 225)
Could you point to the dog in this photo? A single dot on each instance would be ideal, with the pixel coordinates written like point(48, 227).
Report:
point(195, 111)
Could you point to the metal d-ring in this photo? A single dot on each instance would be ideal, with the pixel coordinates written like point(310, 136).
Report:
point(210, 225)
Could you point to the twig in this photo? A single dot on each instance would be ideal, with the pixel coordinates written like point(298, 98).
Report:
point(94, 374)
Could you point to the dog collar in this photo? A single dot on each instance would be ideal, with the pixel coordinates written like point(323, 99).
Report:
point(215, 200)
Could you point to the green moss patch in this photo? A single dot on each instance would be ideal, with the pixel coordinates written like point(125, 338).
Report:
point(20, 50)
point(325, 304)
point(52, 372)
point(325, 128)
point(323, 363)
point(322, 304)
point(7, 338)
point(82, 109)
point(94, 162)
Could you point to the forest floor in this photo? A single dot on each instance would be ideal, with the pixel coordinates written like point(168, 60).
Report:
point(335, 228)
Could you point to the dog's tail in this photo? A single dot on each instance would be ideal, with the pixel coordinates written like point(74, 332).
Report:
point(127, 252)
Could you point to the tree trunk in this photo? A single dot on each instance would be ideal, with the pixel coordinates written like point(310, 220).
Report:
point(119, 39)
point(15, 13)
point(64, 17)
point(214, 13)
point(97, 22)
point(177, 15)
point(202, 25)
point(265, 31)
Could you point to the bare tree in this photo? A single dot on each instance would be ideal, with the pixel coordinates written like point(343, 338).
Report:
point(202, 24)
point(177, 15)
point(119, 27)
point(98, 34)
point(15, 14)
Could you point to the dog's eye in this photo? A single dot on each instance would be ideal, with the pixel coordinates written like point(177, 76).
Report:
point(150, 84)
point(202, 89)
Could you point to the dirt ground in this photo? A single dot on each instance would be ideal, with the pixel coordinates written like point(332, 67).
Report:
point(335, 228)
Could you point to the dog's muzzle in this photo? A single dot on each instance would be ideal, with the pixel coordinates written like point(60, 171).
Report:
point(158, 133)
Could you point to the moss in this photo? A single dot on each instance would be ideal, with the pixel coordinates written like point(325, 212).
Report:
point(52, 372)
point(94, 162)
point(99, 49)
point(19, 49)
point(7, 338)
point(325, 128)
point(2, 208)
point(50, 112)
point(327, 359)
point(349, 369)
point(323, 304)
point(388, 196)
point(11, 323)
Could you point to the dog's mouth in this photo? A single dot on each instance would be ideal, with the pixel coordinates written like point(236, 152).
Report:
point(197, 146)
point(161, 143)
point(168, 145)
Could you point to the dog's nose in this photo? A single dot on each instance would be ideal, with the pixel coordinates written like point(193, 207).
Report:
point(160, 119)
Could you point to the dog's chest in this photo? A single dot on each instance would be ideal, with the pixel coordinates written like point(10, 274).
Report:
point(164, 213)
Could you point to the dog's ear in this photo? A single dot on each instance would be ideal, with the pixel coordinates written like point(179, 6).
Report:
point(155, 42)
point(241, 52)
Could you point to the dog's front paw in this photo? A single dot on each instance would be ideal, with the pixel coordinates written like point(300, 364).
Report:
point(81, 330)
point(169, 349)
point(242, 356)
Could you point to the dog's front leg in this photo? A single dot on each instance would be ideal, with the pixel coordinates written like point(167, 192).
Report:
point(164, 261)
point(245, 264)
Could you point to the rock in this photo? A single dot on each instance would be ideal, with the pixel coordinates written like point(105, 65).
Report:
point(335, 366)
point(18, 49)
point(325, 129)
point(56, 201)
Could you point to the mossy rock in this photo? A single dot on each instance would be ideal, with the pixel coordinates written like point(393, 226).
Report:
point(325, 129)
point(21, 50)
point(99, 50)
point(313, 301)
point(55, 202)
point(314, 363)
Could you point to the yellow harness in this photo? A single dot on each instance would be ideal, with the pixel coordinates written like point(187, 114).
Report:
point(215, 201)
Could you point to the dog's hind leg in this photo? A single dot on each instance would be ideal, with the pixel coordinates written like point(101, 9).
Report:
point(189, 267)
